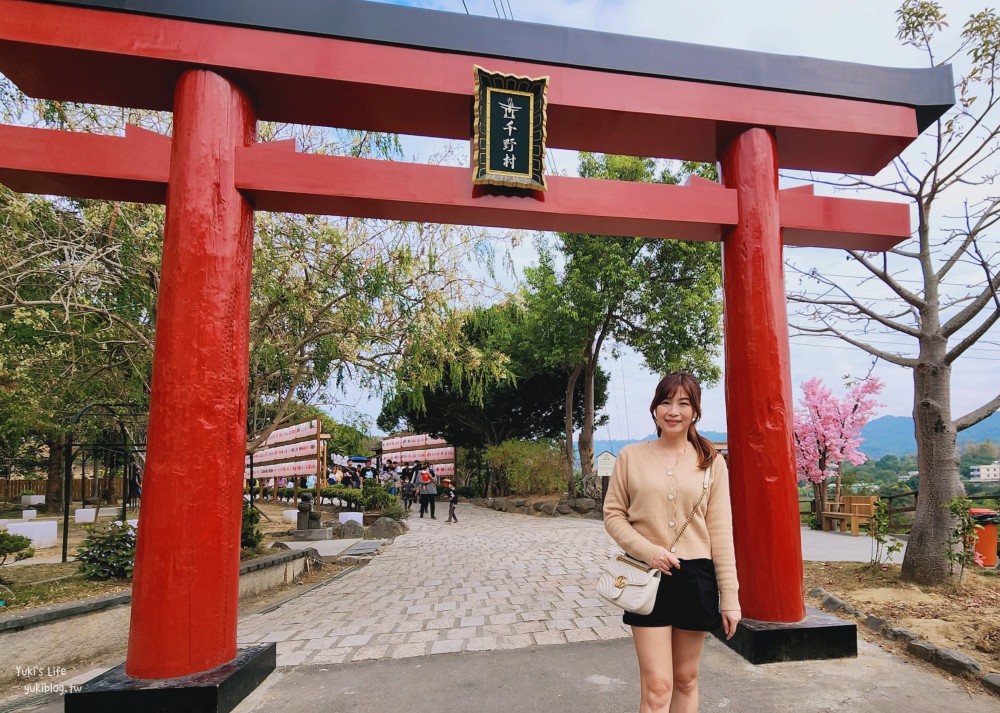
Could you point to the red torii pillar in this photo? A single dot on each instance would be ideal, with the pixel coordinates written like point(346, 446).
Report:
point(759, 387)
point(198, 403)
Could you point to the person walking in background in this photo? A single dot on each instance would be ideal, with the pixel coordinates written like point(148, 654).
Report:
point(428, 492)
point(409, 491)
point(452, 500)
point(668, 505)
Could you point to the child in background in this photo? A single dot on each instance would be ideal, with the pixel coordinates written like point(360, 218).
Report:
point(452, 500)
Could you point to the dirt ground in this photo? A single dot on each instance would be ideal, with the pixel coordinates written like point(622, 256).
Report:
point(77, 533)
point(965, 618)
point(38, 582)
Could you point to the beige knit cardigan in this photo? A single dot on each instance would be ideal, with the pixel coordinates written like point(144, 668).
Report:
point(645, 508)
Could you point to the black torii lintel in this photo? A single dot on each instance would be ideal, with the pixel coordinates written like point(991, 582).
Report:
point(929, 91)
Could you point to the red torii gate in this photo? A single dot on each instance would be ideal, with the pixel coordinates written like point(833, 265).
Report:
point(221, 66)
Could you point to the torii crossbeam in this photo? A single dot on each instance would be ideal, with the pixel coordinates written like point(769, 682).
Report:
point(221, 66)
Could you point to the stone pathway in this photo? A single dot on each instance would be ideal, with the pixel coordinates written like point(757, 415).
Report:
point(492, 581)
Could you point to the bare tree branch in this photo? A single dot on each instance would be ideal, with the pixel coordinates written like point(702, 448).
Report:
point(971, 338)
point(887, 356)
point(980, 414)
point(885, 277)
point(854, 304)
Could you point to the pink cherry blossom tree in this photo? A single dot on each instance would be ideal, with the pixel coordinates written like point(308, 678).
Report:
point(828, 431)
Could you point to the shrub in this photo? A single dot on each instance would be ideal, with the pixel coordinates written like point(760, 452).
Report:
point(108, 553)
point(465, 491)
point(375, 497)
point(17, 545)
point(351, 497)
point(527, 467)
point(28, 492)
point(883, 546)
point(812, 522)
point(395, 511)
point(250, 534)
point(961, 548)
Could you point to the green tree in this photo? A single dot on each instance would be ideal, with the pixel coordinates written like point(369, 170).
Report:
point(660, 297)
point(949, 179)
point(528, 404)
point(977, 454)
point(524, 467)
point(331, 299)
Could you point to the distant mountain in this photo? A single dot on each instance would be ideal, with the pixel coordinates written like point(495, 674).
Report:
point(886, 435)
point(893, 435)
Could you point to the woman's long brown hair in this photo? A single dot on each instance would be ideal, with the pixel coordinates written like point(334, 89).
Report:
point(665, 390)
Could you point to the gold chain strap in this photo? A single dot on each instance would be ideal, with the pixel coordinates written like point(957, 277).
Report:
point(704, 489)
point(625, 559)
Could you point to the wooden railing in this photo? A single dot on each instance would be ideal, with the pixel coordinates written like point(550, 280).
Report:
point(907, 502)
point(11, 490)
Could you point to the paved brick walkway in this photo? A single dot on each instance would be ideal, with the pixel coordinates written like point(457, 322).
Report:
point(492, 581)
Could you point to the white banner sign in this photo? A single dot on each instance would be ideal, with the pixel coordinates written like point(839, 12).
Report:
point(414, 441)
point(295, 432)
point(293, 450)
point(439, 454)
point(408, 456)
point(444, 469)
point(406, 449)
point(283, 470)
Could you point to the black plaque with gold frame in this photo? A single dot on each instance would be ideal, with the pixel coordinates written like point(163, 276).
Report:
point(509, 130)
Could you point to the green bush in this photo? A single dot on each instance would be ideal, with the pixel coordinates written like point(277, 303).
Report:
point(375, 497)
point(465, 491)
point(527, 467)
point(250, 534)
point(961, 549)
point(883, 546)
point(108, 553)
point(17, 545)
point(812, 522)
point(395, 511)
point(350, 496)
point(28, 492)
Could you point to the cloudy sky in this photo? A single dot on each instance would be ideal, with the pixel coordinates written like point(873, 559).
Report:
point(861, 31)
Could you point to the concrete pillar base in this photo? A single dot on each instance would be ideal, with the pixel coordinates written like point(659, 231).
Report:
point(818, 636)
point(216, 691)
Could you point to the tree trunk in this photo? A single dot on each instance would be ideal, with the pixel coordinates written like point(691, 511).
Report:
point(568, 445)
point(925, 561)
point(54, 484)
point(586, 444)
point(820, 497)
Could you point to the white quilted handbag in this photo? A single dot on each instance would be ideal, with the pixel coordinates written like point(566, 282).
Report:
point(629, 583)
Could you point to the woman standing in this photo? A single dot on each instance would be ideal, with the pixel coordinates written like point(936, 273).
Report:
point(428, 492)
point(656, 487)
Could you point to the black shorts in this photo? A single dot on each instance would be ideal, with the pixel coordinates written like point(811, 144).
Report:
point(688, 599)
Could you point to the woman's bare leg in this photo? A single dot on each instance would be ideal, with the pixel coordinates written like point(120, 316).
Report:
point(687, 647)
point(656, 678)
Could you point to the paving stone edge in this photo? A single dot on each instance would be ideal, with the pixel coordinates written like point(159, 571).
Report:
point(43, 615)
point(948, 660)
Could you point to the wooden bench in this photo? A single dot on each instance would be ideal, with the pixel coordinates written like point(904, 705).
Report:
point(854, 511)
